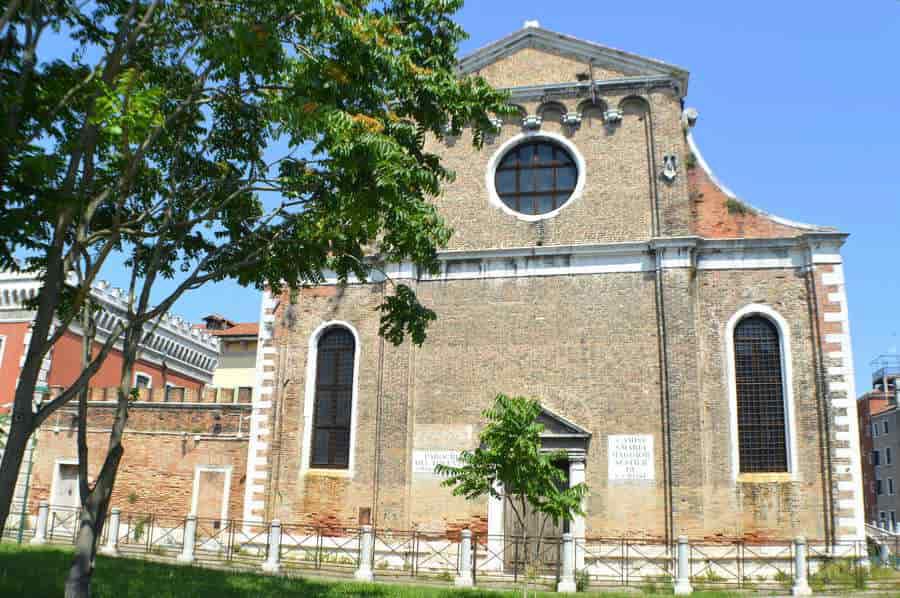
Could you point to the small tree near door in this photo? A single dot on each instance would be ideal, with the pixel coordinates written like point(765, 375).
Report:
point(510, 464)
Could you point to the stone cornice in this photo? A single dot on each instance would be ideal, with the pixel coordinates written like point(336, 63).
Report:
point(639, 256)
point(582, 89)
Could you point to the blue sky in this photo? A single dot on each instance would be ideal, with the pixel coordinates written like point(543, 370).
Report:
point(799, 114)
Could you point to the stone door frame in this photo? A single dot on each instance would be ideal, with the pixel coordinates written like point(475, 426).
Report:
point(559, 434)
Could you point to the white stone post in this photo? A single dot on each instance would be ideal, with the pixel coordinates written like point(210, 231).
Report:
point(683, 568)
point(801, 584)
point(577, 476)
point(884, 552)
point(464, 573)
point(190, 538)
point(111, 548)
point(495, 538)
point(566, 583)
point(273, 561)
point(366, 552)
point(40, 529)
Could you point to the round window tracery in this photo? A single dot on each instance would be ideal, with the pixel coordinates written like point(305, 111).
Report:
point(536, 177)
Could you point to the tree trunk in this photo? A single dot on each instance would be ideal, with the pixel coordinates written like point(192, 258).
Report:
point(13, 455)
point(93, 516)
point(78, 583)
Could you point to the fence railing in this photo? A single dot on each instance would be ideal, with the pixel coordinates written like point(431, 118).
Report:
point(469, 558)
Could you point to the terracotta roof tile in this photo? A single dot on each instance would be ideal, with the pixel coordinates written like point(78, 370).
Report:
point(239, 329)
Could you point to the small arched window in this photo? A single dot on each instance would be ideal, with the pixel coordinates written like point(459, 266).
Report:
point(333, 399)
point(759, 380)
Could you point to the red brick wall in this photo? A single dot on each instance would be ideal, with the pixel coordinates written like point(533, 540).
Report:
point(715, 217)
point(163, 447)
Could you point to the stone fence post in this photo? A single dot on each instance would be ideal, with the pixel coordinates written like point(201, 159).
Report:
point(801, 584)
point(683, 568)
point(566, 583)
point(190, 538)
point(40, 529)
point(464, 572)
point(111, 548)
point(273, 562)
point(366, 553)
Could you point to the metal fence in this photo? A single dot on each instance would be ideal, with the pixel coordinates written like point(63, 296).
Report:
point(477, 558)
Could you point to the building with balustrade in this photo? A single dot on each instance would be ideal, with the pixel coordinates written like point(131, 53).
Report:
point(186, 439)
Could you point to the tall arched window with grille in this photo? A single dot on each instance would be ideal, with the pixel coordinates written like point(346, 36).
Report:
point(333, 399)
point(759, 379)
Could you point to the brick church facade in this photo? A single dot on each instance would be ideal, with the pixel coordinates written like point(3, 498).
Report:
point(692, 352)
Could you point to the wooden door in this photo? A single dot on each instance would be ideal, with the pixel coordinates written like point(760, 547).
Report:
point(540, 538)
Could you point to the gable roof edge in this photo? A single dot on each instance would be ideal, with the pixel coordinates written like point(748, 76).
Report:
point(511, 43)
point(701, 162)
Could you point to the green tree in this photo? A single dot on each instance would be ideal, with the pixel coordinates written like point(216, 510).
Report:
point(510, 464)
point(262, 141)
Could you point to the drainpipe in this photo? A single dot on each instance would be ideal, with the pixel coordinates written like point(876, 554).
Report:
point(824, 423)
point(656, 227)
point(664, 398)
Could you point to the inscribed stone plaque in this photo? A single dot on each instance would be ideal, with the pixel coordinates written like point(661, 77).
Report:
point(425, 460)
point(631, 458)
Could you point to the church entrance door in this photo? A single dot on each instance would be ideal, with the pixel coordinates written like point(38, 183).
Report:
point(537, 543)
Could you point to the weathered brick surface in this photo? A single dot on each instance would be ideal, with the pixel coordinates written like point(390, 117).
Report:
point(773, 509)
point(539, 66)
point(162, 449)
point(617, 201)
point(716, 216)
point(588, 346)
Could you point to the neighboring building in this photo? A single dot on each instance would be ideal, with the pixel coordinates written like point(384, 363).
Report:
point(184, 452)
point(175, 357)
point(879, 432)
point(692, 352)
point(235, 374)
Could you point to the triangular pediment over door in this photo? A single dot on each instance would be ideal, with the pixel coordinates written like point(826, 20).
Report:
point(561, 433)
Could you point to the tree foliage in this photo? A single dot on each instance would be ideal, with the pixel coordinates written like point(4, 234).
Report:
point(509, 464)
point(267, 142)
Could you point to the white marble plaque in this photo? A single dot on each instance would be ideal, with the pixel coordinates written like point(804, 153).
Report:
point(631, 458)
point(425, 460)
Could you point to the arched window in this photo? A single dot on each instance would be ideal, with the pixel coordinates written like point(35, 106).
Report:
point(333, 399)
point(760, 396)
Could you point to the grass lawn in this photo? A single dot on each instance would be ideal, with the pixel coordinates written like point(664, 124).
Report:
point(36, 573)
